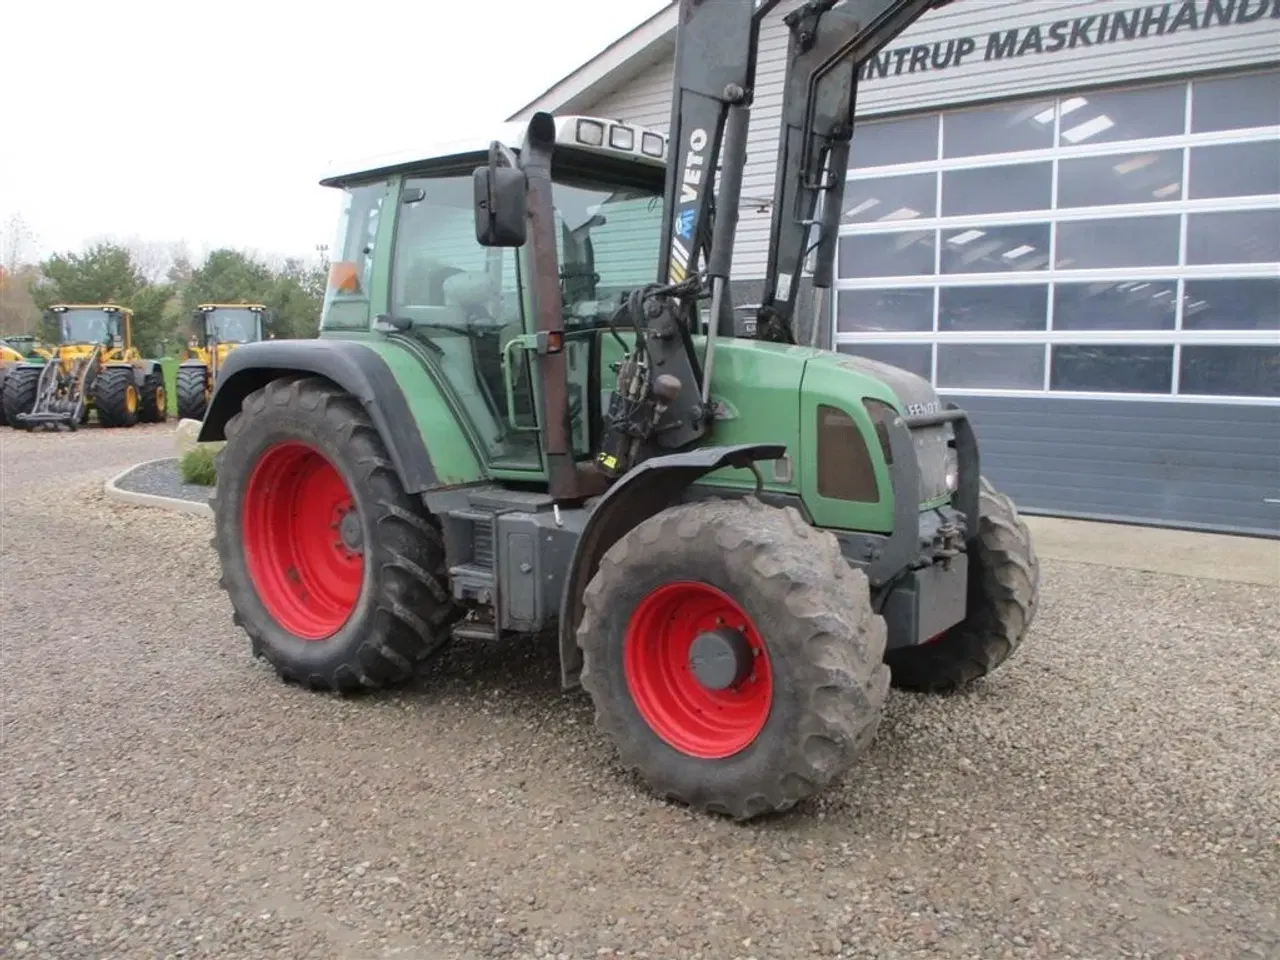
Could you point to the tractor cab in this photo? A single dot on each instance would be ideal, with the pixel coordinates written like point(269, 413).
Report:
point(228, 323)
point(408, 264)
point(90, 325)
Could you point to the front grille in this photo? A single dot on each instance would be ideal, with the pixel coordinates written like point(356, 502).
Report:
point(933, 455)
point(482, 543)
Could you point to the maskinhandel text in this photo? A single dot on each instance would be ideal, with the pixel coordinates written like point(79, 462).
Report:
point(1138, 23)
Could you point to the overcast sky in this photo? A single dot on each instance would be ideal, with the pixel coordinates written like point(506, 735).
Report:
point(212, 122)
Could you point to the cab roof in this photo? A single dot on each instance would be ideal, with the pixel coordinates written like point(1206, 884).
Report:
point(590, 135)
point(108, 307)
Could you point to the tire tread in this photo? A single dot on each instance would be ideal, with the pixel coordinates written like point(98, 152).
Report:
point(835, 637)
point(414, 608)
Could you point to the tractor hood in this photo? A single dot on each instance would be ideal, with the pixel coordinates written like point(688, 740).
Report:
point(912, 395)
point(915, 395)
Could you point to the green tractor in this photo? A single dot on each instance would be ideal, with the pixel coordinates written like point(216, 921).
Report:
point(520, 419)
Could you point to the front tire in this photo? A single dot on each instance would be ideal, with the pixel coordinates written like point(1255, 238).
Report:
point(336, 574)
point(19, 396)
point(789, 708)
point(192, 389)
point(116, 398)
point(1004, 592)
point(154, 398)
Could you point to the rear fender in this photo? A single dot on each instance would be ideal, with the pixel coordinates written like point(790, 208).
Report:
point(355, 367)
point(648, 489)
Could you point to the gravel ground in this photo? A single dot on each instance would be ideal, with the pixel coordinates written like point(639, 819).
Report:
point(163, 478)
point(1113, 793)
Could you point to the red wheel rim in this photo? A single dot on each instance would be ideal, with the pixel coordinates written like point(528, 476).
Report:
point(306, 574)
point(698, 721)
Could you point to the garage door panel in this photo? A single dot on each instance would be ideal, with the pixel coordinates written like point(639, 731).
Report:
point(1117, 461)
point(1129, 466)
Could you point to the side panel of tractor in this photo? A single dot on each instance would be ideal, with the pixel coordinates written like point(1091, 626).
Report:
point(453, 455)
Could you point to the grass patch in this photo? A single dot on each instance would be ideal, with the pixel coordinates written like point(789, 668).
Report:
point(197, 467)
point(170, 367)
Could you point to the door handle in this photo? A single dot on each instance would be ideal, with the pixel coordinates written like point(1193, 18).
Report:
point(508, 382)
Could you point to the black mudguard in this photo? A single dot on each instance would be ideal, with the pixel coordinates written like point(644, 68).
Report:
point(351, 365)
point(141, 370)
point(649, 488)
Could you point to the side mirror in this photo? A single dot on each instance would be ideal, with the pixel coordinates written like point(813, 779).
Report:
point(501, 203)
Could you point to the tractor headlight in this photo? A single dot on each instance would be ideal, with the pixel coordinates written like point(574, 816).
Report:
point(591, 133)
point(622, 138)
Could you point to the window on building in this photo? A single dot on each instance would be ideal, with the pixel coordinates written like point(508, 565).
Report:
point(1121, 242)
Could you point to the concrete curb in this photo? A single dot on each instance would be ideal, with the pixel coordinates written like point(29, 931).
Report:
point(175, 504)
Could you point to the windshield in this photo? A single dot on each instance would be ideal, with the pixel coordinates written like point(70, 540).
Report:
point(233, 325)
point(86, 326)
point(607, 241)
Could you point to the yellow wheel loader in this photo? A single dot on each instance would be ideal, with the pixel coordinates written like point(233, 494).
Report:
point(218, 328)
point(94, 367)
point(16, 349)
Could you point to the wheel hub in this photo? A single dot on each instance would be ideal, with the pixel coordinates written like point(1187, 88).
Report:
point(350, 531)
point(721, 658)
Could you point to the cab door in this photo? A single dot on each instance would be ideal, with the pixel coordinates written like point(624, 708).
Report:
point(469, 310)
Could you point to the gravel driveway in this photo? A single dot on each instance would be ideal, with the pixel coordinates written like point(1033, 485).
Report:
point(1113, 793)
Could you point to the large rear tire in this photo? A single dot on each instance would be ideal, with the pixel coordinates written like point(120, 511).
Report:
point(1004, 592)
point(116, 397)
point(154, 399)
point(19, 396)
point(336, 574)
point(733, 656)
point(193, 398)
point(4, 375)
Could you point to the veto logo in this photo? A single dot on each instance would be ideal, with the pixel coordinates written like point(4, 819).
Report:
point(693, 166)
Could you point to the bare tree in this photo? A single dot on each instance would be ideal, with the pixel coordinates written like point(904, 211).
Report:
point(18, 312)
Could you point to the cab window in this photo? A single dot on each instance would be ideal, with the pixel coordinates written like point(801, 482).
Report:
point(346, 295)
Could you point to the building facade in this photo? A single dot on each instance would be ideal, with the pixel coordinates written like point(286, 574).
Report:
point(1067, 216)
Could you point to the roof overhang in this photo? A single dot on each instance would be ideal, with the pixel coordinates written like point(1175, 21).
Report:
point(645, 146)
point(611, 68)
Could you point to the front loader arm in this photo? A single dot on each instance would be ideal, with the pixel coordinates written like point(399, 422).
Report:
point(661, 401)
point(715, 68)
point(828, 46)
